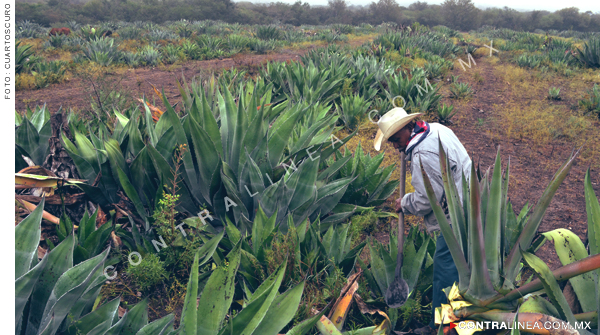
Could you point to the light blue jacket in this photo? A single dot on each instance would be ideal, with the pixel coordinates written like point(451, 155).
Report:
point(427, 153)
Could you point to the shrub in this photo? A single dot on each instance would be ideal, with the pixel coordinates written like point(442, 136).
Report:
point(148, 272)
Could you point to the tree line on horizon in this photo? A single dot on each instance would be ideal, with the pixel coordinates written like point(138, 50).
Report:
point(456, 14)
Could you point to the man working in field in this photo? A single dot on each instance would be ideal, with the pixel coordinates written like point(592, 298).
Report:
point(420, 142)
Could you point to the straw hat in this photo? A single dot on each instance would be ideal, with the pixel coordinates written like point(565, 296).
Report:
point(390, 123)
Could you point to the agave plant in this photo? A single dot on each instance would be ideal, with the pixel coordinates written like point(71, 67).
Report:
point(371, 186)
point(460, 90)
point(262, 46)
point(417, 259)
point(530, 61)
point(159, 34)
point(32, 138)
point(90, 240)
point(57, 41)
point(483, 232)
point(554, 93)
point(190, 49)
point(212, 43)
point(22, 54)
point(591, 101)
point(52, 290)
point(353, 109)
point(445, 114)
point(268, 33)
point(102, 50)
point(590, 55)
point(304, 82)
point(417, 93)
point(150, 56)
point(90, 33)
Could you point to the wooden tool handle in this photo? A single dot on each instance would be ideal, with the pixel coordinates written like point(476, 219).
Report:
point(401, 216)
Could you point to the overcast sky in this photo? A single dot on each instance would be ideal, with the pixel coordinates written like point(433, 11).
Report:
point(583, 5)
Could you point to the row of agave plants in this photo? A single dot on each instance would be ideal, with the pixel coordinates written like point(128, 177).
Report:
point(147, 44)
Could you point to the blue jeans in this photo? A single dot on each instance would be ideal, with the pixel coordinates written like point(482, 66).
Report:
point(444, 275)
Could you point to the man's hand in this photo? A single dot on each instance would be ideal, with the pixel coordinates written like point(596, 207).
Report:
point(399, 205)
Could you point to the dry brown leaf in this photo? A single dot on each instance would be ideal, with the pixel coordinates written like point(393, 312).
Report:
point(349, 284)
point(156, 113)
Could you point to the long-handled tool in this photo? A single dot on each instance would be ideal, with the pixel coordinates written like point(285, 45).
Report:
point(397, 291)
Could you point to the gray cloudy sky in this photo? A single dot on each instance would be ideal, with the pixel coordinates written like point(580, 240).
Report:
point(583, 5)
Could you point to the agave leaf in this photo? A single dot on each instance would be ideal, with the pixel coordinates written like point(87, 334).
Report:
point(173, 120)
point(249, 318)
point(101, 328)
point(537, 304)
point(326, 327)
point(132, 195)
point(27, 237)
point(166, 143)
point(69, 287)
point(60, 259)
point(190, 309)
point(210, 125)
point(305, 326)
point(305, 176)
point(382, 266)
point(134, 319)
point(492, 224)
point(593, 214)
point(106, 312)
point(530, 229)
point(453, 246)
point(34, 143)
point(238, 136)
point(217, 295)
point(570, 249)
point(480, 285)
point(24, 286)
point(158, 327)
point(413, 262)
point(280, 132)
point(550, 286)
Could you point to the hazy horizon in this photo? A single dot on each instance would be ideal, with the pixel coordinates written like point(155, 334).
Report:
point(583, 5)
